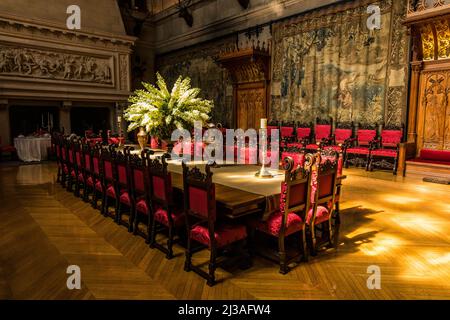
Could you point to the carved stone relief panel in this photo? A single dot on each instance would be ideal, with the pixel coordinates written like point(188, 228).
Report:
point(36, 63)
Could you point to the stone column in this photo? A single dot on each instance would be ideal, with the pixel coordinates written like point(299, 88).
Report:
point(4, 122)
point(416, 68)
point(64, 116)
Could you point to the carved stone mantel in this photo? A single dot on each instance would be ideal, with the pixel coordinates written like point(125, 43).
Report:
point(47, 62)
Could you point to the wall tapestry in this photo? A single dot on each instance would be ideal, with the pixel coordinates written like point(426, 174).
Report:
point(331, 65)
point(199, 64)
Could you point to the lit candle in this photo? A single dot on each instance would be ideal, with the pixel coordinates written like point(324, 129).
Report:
point(263, 123)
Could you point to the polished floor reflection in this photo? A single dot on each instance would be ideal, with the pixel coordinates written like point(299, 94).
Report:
point(401, 225)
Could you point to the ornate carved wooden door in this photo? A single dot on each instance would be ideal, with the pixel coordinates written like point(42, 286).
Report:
point(251, 106)
point(250, 70)
point(434, 111)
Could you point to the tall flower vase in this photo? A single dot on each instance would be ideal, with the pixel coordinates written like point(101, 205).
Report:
point(142, 138)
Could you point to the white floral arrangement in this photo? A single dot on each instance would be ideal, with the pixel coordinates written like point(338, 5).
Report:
point(160, 112)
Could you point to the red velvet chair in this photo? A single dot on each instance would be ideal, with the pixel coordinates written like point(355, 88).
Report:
point(122, 187)
point(384, 151)
point(57, 141)
point(322, 134)
point(287, 134)
point(203, 225)
point(290, 219)
point(342, 136)
point(323, 198)
point(79, 167)
point(106, 185)
point(7, 149)
point(358, 150)
point(97, 192)
point(140, 193)
point(87, 172)
point(71, 175)
point(165, 215)
point(298, 156)
point(303, 136)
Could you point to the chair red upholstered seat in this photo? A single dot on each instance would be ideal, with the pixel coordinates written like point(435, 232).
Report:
point(142, 206)
point(273, 225)
point(224, 234)
point(358, 150)
point(80, 177)
point(125, 198)
point(322, 215)
point(99, 186)
point(111, 192)
point(312, 146)
point(90, 181)
point(162, 217)
point(385, 153)
point(73, 174)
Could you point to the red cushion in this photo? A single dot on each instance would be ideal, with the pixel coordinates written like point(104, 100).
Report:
point(108, 170)
point(385, 153)
point(287, 132)
point(224, 234)
point(90, 181)
point(391, 138)
point(303, 133)
point(111, 192)
point(365, 136)
point(159, 187)
point(73, 174)
point(358, 150)
point(342, 134)
point(96, 165)
point(435, 155)
point(139, 183)
point(177, 217)
point(322, 215)
point(80, 177)
point(198, 201)
point(273, 225)
point(87, 161)
point(323, 131)
point(99, 186)
point(312, 146)
point(122, 172)
point(66, 169)
point(78, 158)
point(125, 199)
point(142, 206)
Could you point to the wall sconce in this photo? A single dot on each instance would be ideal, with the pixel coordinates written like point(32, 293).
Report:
point(184, 13)
point(244, 3)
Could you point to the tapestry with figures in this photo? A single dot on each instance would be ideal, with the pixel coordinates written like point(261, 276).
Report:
point(329, 64)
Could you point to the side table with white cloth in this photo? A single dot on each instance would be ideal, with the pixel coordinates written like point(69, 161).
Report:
point(30, 149)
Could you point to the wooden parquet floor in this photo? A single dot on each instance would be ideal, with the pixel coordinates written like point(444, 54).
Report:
point(401, 225)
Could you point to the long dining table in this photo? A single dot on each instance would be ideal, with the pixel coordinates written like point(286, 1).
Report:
point(239, 192)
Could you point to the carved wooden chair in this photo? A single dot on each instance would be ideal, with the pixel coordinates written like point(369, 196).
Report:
point(323, 198)
point(384, 151)
point(303, 136)
point(106, 185)
point(57, 142)
point(357, 151)
point(122, 187)
point(287, 133)
point(64, 161)
point(88, 172)
point(97, 192)
point(290, 219)
point(297, 155)
point(322, 134)
point(79, 168)
point(202, 223)
point(140, 193)
point(71, 175)
point(165, 215)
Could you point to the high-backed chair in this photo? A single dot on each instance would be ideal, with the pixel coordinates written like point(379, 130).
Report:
point(384, 151)
point(324, 189)
point(97, 192)
point(79, 166)
point(202, 221)
point(358, 150)
point(140, 193)
point(165, 215)
point(71, 176)
point(88, 172)
point(294, 205)
point(303, 136)
point(107, 183)
point(322, 134)
point(287, 134)
point(122, 187)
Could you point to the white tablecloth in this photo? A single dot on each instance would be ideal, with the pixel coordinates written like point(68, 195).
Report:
point(32, 149)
